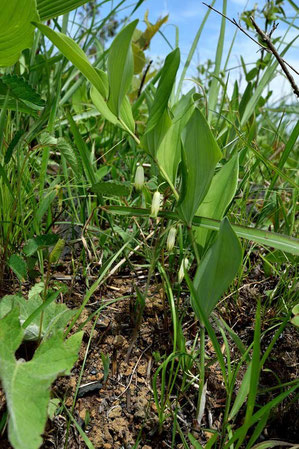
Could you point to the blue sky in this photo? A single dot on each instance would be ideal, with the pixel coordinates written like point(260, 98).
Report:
point(186, 16)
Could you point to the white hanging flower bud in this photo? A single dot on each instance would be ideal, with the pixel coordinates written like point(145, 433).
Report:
point(171, 238)
point(155, 204)
point(139, 178)
point(184, 266)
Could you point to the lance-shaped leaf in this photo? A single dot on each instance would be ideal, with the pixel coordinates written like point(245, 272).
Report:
point(75, 54)
point(164, 89)
point(120, 67)
point(27, 385)
point(217, 269)
point(16, 29)
point(220, 194)
point(53, 8)
point(169, 151)
point(200, 156)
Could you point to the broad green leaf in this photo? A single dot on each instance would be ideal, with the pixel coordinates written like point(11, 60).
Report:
point(217, 269)
point(48, 9)
point(126, 115)
point(164, 89)
point(39, 242)
point(102, 106)
point(55, 316)
point(220, 194)
point(75, 54)
point(27, 384)
point(16, 29)
point(200, 156)
point(154, 138)
point(21, 90)
point(111, 188)
point(18, 266)
point(169, 150)
point(120, 67)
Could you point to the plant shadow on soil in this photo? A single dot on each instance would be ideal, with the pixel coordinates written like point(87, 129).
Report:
point(114, 416)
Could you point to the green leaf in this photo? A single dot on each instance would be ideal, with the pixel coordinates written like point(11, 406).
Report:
point(242, 393)
point(120, 67)
point(55, 316)
point(194, 442)
point(169, 150)
point(48, 9)
point(200, 156)
point(295, 312)
point(154, 138)
point(27, 385)
point(111, 188)
point(56, 251)
point(12, 145)
point(18, 266)
point(21, 90)
point(164, 89)
point(70, 155)
point(217, 269)
point(16, 30)
point(39, 242)
point(260, 236)
point(220, 194)
point(75, 54)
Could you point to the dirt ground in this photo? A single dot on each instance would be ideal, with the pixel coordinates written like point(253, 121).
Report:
point(117, 413)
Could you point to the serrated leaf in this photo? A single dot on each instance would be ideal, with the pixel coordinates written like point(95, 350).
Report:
point(67, 151)
point(18, 265)
point(217, 269)
point(220, 194)
point(27, 385)
point(200, 156)
point(16, 29)
point(120, 67)
point(111, 188)
point(21, 90)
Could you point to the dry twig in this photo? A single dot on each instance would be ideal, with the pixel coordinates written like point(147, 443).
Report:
point(269, 47)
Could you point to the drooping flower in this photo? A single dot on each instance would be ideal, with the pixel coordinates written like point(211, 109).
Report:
point(184, 266)
point(139, 178)
point(171, 238)
point(155, 204)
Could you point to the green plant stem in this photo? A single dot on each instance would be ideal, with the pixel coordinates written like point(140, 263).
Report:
point(194, 244)
point(201, 367)
point(45, 292)
point(267, 238)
